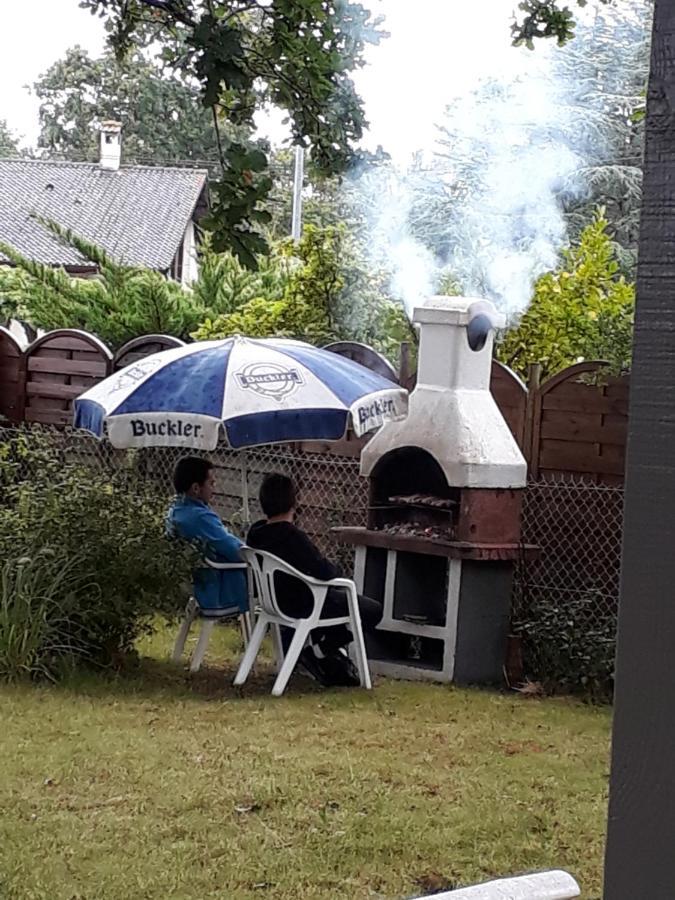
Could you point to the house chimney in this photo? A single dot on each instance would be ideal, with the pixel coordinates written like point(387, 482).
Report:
point(111, 145)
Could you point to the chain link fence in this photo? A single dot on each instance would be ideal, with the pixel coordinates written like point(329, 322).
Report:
point(565, 602)
point(331, 492)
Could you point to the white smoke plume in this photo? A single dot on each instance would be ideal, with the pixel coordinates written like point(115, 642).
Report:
point(392, 246)
point(511, 142)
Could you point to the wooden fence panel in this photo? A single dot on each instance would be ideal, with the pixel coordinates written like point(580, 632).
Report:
point(12, 392)
point(58, 368)
point(143, 346)
point(579, 426)
point(366, 356)
point(510, 394)
point(570, 425)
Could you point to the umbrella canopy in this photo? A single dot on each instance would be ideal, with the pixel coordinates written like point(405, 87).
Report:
point(259, 391)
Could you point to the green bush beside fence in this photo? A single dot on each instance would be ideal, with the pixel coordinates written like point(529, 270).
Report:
point(84, 564)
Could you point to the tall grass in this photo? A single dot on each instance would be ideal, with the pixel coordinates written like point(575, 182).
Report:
point(38, 594)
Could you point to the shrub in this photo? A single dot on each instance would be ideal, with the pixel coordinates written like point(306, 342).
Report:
point(37, 638)
point(105, 529)
point(582, 310)
point(324, 291)
point(120, 303)
point(570, 646)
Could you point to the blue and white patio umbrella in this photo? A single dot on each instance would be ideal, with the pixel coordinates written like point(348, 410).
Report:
point(258, 391)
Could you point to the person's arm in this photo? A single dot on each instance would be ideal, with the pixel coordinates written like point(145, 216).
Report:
point(314, 563)
point(217, 538)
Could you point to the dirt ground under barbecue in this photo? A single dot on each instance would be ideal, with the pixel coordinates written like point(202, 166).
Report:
point(156, 785)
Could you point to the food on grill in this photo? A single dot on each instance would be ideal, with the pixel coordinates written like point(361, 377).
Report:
point(423, 500)
point(416, 529)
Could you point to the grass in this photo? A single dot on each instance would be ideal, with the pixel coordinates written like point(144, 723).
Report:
point(156, 785)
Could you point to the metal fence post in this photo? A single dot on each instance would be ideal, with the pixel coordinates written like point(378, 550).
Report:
point(245, 508)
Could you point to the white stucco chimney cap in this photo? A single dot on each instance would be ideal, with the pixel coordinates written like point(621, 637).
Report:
point(443, 310)
point(111, 145)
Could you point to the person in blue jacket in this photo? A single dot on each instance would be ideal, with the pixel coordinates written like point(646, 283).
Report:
point(191, 518)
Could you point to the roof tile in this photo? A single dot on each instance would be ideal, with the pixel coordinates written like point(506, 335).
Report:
point(138, 214)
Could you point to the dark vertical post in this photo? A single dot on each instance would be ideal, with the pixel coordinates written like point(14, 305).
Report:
point(404, 364)
point(532, 420)
point(640, 860)
point(22, 388)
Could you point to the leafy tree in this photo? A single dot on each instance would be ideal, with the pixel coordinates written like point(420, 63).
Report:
point(161, 113)
point(11, 294)
point(330, 294)
point(224, 284)
point(582, 310)
point(257, 318)
point(544, 19)
point(306, 309)
point(606, 67)
point(118, 304)
point(245, 54)
point(9, 146)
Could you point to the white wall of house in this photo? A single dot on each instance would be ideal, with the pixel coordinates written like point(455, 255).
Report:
point(190, 260)
point(17, 330)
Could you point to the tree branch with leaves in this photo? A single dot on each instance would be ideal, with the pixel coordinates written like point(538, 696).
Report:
point(544, 19)
point(118, 304)
point(247, 55)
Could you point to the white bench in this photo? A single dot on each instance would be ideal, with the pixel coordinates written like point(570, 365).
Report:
point(263, 567)
point(544, 886)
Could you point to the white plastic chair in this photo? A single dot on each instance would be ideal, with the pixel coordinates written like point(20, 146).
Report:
point(208, 619)
point(263, 567)
point(556, 885)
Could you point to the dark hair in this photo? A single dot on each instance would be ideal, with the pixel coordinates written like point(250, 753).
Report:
point(190, 470)
point(277, 495)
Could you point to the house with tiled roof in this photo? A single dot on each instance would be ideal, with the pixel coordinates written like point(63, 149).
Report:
point(140, 215)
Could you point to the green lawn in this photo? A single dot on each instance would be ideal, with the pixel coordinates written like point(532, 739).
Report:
point(160, 786)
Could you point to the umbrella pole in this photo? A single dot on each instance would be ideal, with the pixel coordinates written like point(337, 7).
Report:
point(246, 512)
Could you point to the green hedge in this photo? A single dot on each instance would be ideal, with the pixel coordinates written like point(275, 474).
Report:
point(84, 564)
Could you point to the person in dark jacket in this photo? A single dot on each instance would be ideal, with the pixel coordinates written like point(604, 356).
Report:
point(326, 659)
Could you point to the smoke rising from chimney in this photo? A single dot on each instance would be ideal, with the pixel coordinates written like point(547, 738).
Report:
point(511, 144)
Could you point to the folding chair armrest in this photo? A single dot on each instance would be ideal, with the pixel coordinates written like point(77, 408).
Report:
point(224, 566)
point(317, 582)
point(346, 583)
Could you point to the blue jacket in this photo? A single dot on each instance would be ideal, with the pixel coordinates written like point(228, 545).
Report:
point(214, 590)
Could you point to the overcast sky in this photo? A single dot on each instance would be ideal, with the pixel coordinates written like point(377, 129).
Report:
point(437, 49)
point(33, 35)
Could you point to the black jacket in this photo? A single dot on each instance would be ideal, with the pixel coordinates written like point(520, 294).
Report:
point(289, 543)
point(292, 545)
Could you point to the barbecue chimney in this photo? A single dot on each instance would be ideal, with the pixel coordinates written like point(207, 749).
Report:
point(452, 414)
point(443, 532)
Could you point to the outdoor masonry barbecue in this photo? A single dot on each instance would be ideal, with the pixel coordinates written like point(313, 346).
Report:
point(443, 528)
